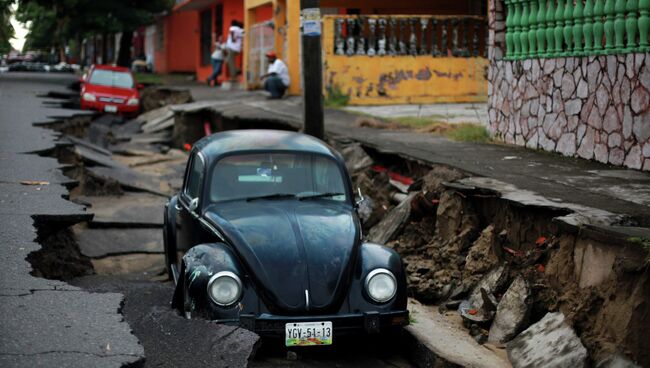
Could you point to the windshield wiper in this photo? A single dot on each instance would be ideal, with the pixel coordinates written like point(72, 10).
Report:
point(272, 196)
point(320, 195)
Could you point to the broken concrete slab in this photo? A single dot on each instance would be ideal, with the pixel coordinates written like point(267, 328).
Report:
point(448, 341)
point(151, 138)
point(132, 179)
point(356, 159)
point(128, 264)
point(481, 256)
point(512, 312)
point(128, 210)
point(150, 158)
point(88, 144)
point(96, 158)
point(162, 331)
point(154, 114)
point(478, 307)
point(392, 223)
point(616, 361)
point(98, 243)
point(547, 343)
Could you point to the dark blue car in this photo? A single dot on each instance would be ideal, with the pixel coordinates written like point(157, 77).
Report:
point(265, 235)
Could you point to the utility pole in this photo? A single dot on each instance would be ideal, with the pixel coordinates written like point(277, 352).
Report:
point(312, 68)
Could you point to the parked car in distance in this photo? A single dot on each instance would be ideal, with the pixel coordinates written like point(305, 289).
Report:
point(110, 89)
point(265, 234)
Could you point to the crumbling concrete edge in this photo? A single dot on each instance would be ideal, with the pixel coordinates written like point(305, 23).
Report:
point(128, 360)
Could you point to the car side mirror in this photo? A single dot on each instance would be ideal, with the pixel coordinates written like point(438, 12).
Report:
point(194, 204)
point(360, 198)
point(140, 86)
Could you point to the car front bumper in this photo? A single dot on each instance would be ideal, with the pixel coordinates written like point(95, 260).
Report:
point(343, 324)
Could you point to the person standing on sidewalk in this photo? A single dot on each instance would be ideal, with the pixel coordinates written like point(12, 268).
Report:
point(217, 62)
point(233, 48)
point(277, 78)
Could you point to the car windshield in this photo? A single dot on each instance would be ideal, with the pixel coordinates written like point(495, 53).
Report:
point(111, 78)
point(276, 176)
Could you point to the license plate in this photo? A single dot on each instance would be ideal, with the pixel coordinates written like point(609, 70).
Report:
point(109, 108)
point(308, 333)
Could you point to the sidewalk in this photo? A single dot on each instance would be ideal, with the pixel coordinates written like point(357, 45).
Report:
point(597, 194)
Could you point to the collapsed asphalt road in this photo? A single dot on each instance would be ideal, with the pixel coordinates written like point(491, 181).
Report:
point(45, 323)
point(115, 318)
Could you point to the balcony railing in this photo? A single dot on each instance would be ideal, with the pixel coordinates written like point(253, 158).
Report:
point(558, 28)
point(433, 36)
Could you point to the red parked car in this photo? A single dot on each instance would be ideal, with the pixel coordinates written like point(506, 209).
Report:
point(110, 89)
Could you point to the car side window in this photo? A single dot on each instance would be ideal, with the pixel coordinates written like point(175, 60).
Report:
point(194, 177)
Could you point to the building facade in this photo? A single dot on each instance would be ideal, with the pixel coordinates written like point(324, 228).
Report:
point(572, 78)
point(379, 52)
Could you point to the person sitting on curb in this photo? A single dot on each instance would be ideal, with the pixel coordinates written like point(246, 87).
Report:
point(277, 78)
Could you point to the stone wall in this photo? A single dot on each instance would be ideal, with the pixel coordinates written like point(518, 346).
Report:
point(594, 107)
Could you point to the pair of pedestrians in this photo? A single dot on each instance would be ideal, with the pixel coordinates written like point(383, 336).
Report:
point(228, 52)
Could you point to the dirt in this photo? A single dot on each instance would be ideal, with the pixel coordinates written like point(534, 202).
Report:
point(454, 238)
point(156, 97)
point(59, 258)
point(610, 318)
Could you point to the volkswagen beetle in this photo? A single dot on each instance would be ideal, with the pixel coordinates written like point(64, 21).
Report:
point(264, 234)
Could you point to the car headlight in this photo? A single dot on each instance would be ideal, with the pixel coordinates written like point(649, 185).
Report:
point(89, 97)
point(224, 288)
point(381, 285)
point(133, 101)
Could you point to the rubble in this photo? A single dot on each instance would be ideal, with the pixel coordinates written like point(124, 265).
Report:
point(356, 159)
point(390, 225)
point(547, 343)
point(456, 220)
point(480, 306)
point(155, 97)
point(481, 256)
point(616, 361)
point(512, 312)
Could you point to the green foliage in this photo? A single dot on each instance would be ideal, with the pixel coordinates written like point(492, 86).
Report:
point(149, 78)
point(6, 30)
point(335, 96)
point(469, 133)
point(55, 22)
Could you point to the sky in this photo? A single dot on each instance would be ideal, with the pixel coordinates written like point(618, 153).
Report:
point(19, 39)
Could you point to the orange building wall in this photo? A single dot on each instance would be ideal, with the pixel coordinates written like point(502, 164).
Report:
point(232, 10)
point(263, 13)
point(180, 46)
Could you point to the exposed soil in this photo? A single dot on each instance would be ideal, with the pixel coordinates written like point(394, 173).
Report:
point(59, 258)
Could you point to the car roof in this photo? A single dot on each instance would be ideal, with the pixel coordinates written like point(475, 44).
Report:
point(112, 68)
point(240, 141)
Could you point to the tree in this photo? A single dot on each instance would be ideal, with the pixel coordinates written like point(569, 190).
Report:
point(6, 30)
point(62, 20)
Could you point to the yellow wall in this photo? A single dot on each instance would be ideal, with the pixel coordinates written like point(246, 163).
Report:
point(284, 12)
point(377, 80)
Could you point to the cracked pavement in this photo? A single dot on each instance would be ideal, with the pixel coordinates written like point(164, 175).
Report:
point(46, 323)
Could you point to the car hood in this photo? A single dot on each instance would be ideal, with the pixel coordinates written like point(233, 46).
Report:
point(109, 91)
point(292, 246)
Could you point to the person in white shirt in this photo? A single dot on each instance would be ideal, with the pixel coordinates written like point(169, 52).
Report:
point(233, 48)
point(217, 62)
point(277, 79)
